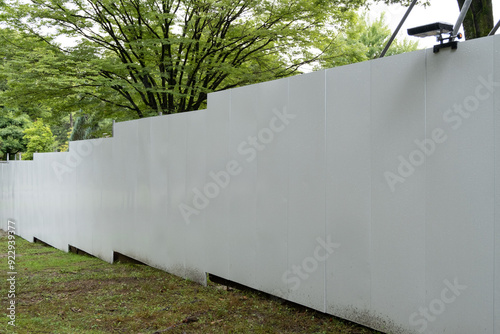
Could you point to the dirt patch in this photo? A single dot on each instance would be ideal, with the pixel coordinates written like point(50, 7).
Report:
point(2, 233)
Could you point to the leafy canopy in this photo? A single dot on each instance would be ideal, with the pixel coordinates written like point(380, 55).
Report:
point(39, 138)
point(364, 40)
point(11, 133)
point(165, 56)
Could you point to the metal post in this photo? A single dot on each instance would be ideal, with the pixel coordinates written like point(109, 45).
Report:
point(461, 17)
point(494, 30)
point(397, 29)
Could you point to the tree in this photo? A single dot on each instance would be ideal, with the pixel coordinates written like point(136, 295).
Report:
point(37, 79)
point(165, 56)
point(364, 40)
point(479, 19)
point(90, 126)
point(15, 48)
point(39, 138)
point(11, 134)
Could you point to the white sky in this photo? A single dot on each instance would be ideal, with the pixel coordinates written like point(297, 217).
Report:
point(438, 11)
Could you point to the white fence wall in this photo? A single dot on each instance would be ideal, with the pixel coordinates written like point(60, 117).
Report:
point(369, 191)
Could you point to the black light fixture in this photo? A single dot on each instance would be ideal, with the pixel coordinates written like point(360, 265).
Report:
point(437, 29)
point(433, 29)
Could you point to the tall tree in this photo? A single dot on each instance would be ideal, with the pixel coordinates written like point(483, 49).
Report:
point(479, 19)
point(164, 56)
point(28, 66)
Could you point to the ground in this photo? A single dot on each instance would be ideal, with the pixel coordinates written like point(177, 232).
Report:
point(58, 292)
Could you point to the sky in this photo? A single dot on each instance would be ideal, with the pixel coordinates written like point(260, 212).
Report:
point(439, 11)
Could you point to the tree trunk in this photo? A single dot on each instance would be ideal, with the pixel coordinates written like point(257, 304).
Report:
point(479, 19)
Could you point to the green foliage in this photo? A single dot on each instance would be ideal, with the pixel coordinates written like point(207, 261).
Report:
point(90, 126)
point(149, 57)
point(364, 40)
point(79, 129)
point(18, 55)
point(132, 59)
point(37, 79)
point(11, 134)
point(39, 138)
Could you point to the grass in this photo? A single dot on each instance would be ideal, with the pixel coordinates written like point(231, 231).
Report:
point(58, 292)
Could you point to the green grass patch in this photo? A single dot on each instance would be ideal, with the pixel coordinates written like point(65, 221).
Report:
point(58, 292)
